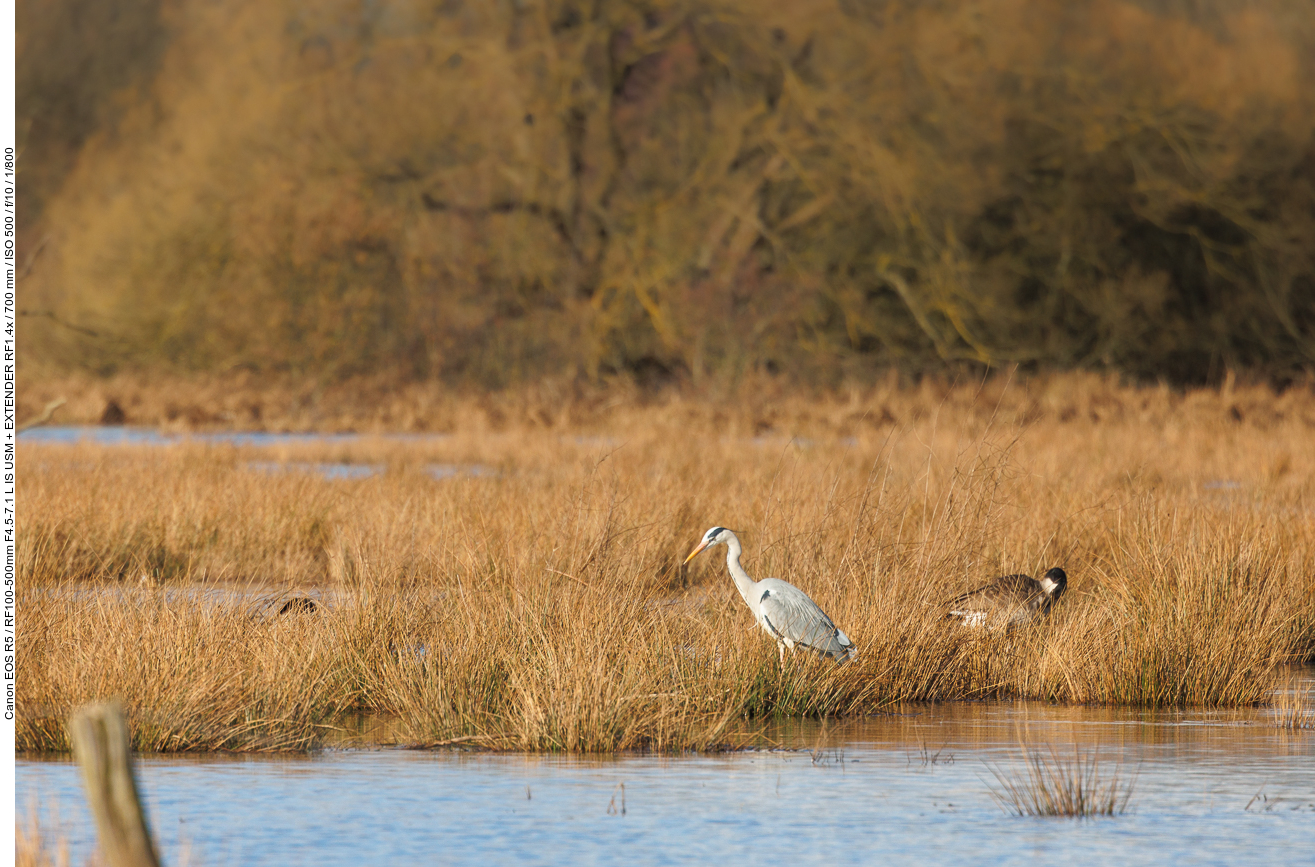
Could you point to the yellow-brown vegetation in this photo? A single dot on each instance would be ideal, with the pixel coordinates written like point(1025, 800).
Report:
point(670, 188)
point(39, 842)
point(538, 601)
point(1055, 785)
point(1293, 707)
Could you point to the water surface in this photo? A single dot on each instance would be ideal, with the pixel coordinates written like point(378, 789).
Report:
point(113, 435)
point(328, 470)
point(914, 788)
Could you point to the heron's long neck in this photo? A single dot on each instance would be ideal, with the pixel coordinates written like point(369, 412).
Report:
point(743, 582)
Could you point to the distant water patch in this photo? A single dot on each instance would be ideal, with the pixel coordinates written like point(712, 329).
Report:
point(332, 472)
point(337, 472)
point(140, 436)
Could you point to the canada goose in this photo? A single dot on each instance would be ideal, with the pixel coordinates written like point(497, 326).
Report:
point(1009, 601)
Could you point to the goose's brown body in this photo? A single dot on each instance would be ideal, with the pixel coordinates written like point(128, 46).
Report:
point(1009, 601)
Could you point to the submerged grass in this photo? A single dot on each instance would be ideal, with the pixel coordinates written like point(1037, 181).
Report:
point(1293, 708)
point(40, 839)
point(33, 849)
point(543, 605)
point(1053, 785)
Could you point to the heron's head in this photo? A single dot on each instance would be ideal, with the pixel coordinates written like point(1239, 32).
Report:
point(1054, 582)
point(715, 536)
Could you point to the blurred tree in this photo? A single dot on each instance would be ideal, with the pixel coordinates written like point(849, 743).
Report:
point(77, 64)
point(693, 188)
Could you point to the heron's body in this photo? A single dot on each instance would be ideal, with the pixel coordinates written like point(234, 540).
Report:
point(783, 610)
point(1009, 601)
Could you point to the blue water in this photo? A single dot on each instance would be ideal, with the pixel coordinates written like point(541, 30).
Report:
point(869, 793)
point(330, 471)
point(352, 472)
point(117, 436)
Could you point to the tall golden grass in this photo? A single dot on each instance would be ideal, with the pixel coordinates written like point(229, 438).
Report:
point(542, 604)
point(687, 188)
point(1293, 707)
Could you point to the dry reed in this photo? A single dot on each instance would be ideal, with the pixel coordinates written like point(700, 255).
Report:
point(1293, 708)
point(40, 841)
point(541, 604)
point(32, 849)
point(1056, 786)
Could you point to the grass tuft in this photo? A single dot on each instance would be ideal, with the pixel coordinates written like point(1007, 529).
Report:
point(40, 841)
point(1052, 785)
point(1293, 708)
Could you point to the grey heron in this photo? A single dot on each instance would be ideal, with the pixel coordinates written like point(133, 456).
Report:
point(782, 609)
point(1009, 601)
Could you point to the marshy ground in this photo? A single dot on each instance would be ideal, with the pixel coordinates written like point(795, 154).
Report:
point(540, 603)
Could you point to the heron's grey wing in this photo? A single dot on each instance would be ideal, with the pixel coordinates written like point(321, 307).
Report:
point(791, 616)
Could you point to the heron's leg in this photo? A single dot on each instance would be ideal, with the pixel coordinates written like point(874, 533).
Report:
point(780, 649)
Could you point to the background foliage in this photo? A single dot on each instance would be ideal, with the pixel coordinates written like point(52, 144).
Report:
point(492, 192)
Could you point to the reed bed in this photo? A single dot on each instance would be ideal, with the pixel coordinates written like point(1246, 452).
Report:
point(1053, 785)
point(541, 603)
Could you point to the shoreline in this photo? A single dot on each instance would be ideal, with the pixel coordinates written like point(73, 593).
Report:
point(753, 405)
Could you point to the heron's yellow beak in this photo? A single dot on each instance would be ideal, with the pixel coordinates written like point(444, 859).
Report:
point(702, 545)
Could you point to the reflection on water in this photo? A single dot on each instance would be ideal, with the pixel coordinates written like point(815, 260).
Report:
point(352, 472)
point(910, 788)
point(117, 436)
point(332, 472)
point(447, 471)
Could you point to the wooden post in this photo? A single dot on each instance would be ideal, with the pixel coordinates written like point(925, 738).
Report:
point(99, 735)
